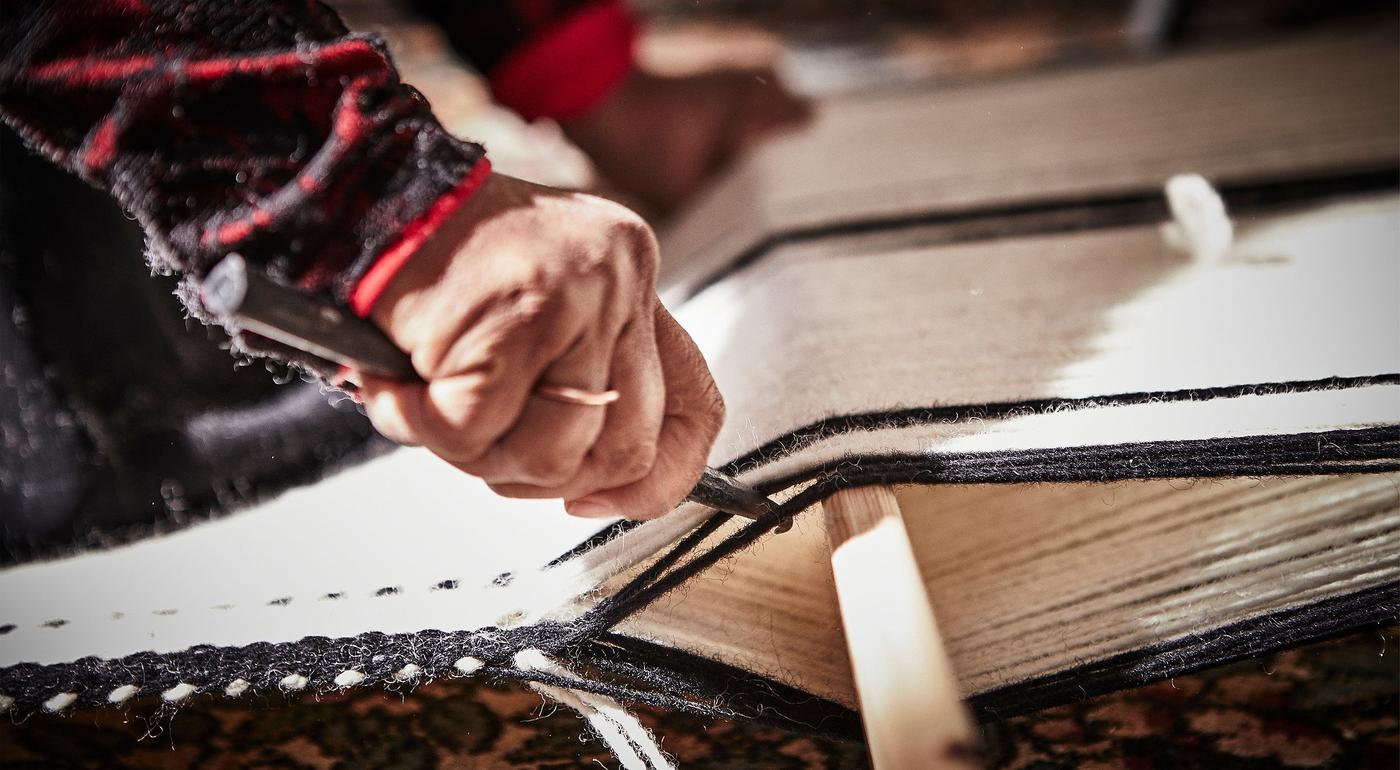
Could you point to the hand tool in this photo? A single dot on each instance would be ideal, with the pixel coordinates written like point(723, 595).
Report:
point(248, 300)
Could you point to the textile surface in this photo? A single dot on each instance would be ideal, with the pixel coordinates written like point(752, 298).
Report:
point(1332, 704)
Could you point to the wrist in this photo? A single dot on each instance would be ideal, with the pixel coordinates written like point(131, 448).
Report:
point(424, 234)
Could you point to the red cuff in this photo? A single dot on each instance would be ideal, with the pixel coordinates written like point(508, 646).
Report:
point(566, 69)
point(372, 284)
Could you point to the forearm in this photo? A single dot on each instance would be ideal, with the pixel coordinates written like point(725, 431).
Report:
point(261, 128)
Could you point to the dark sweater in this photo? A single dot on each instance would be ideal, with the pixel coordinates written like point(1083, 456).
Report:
point(265, 128)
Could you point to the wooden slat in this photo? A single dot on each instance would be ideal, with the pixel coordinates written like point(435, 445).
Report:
point(909, 701)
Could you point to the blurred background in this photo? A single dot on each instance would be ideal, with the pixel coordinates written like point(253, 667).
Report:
point(831, 49)
point(143, 448)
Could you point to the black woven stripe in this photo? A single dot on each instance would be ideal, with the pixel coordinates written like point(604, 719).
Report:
point(807, 435)
point(1312, 622)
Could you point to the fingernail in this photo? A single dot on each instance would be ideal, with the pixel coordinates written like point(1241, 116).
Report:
point(587, 510)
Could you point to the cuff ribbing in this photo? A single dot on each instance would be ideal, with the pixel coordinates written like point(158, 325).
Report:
point(372, 283)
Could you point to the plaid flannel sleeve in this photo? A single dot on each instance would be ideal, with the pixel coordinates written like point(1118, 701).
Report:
point(258, 127)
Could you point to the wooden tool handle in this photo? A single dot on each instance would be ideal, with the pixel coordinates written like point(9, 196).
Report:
point(909, 700)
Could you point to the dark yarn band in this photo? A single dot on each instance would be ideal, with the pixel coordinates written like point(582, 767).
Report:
point(801, 438)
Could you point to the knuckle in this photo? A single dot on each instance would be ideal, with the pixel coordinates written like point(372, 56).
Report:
point(521, 311)
point(638, 246)
point(533, 296)
point(610, 244)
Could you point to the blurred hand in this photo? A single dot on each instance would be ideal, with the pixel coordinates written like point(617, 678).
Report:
point(658, 138)
point(528, 285)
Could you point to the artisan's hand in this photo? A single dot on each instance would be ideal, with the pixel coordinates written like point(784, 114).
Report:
point(527, 285)
point(658, 138)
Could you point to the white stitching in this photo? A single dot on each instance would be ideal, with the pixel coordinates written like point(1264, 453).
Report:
point(349, 678)
point(121, 694)
point(60, 702)
point(468, 665)
point(179, 692)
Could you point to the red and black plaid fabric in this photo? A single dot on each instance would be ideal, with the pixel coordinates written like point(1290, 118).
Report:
point(264, 127)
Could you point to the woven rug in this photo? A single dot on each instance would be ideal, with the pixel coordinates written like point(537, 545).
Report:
point(1331, 705)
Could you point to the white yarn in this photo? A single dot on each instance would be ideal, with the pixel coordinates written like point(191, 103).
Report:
point(349, 678)
point(622, 732)
point(408, 673)
point(237, 687)
point(178, 693)
point(1200, 227)
point(121, 694)
point(293, 682)
point(468, 665)
point(6, 703)
point(637, 733)
point(60, 702)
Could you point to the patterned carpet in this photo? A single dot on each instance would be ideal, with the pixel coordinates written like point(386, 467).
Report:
point(1331, 705)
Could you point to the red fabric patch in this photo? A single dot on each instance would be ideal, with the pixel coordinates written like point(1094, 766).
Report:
point(567, 69)
point(376, 279)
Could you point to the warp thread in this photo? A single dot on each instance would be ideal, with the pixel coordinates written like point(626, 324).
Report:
point(630, 742)
point(319, 664)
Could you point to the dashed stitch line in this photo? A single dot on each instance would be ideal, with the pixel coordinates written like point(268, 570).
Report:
point(282, 601)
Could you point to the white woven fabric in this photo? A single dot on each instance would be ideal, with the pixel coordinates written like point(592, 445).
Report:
point(1091, 314)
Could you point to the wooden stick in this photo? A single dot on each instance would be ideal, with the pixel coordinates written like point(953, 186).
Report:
point(909, 697)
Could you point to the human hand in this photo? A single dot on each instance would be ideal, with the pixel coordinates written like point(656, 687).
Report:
point(659, 138)
point(528, 285)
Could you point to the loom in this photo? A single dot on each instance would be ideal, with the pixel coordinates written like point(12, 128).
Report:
point(1117, 460)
